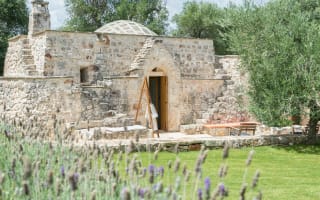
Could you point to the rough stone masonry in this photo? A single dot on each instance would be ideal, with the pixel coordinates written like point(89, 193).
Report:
point(84, 80)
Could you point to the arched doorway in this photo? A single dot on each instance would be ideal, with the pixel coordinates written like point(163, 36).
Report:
point(158, 88)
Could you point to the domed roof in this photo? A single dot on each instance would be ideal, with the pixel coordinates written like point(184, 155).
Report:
point(125, 27)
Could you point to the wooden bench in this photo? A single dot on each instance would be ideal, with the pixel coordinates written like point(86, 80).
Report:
point(235, 128)
point(244, 127)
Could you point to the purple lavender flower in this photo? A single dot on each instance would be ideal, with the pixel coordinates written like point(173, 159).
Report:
point(158, 187)
point(151, 169)
point(7, 134)
point(223, 190)
point(141, 192)
point(199, 194)
point(143, 172)
point(76, 177)
point(161, 171)
point(73, 179)
point(62, 171)
point(207, 184)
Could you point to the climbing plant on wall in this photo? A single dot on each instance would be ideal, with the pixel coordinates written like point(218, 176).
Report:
point(89, 15)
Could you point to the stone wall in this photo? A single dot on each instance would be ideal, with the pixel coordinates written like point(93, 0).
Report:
point(98, 102)
point(13, 62)
point(67, 52)
point(38, 47)
point(197, 97)
point(194, 57)
point(38, 102)
point(115, 55)
point(201, 88)
point(231, 105)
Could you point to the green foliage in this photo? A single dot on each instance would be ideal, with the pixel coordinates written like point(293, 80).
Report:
point(203, 20)
point(13, 21)
point(85, 15)
point(279, 45)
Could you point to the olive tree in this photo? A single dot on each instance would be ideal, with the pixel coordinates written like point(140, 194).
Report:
point(279, 46)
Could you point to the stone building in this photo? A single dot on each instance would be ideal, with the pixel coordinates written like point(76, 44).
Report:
point(94, 79)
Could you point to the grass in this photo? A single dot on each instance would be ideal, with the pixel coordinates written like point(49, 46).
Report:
point(286, 172)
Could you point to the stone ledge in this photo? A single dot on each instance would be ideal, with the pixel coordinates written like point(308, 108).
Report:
point(18, 37)
point(227, 56)
point(120, 77)
point(201, 79)
point(190, 144)
point(34, 77)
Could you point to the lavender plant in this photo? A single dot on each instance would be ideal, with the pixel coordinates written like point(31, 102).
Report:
point(35, 168)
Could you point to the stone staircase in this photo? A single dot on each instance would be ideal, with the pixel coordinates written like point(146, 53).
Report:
point(226, 108)
point(28, 59)
point(141, 56)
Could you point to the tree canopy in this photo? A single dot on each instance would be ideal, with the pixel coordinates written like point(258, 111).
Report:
point(88, 15)
point(13, 21)
point(202, 20)
point(279, 45)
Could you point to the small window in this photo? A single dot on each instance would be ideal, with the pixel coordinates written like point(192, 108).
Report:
point(84, 75)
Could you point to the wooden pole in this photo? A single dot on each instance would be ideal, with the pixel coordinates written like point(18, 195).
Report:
point(145, 89)
point(139, 102)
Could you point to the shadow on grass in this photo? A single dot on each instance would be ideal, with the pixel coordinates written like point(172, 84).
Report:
point(305, 149)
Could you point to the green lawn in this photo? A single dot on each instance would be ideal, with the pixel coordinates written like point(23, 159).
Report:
point(286, 172)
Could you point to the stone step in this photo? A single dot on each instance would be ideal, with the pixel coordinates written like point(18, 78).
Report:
point(27, 56)
point(221, 99)
point(28, 61)
point(32, 72)
point(25, 41)
point(110, 133)
point(201, 121)
point(140, 57)
point(29, 67)
point(205, 115)
point(89, 124)
point(26, 46)
point(27, 52)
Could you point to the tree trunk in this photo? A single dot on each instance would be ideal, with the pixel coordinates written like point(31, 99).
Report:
point(296, 119)
point(314, 118)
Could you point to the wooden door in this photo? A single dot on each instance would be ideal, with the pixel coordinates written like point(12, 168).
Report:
point(158, 88)
point(164, 102)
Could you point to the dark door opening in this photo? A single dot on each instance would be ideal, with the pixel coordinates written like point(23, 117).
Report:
point(159, 97)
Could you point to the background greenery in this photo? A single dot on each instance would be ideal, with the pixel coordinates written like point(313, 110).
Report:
point(13, 21)
point(279, 46)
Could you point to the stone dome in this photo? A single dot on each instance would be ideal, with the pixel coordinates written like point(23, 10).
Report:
point(126, 27)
